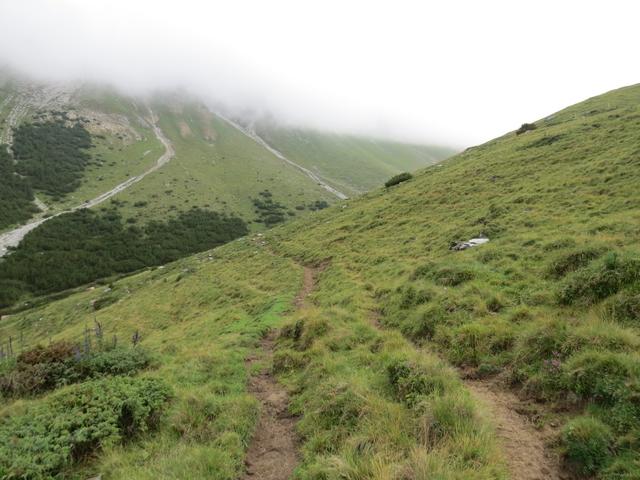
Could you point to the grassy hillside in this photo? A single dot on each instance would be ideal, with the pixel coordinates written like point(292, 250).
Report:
point(351, 164)
point(123, 143)
point(217, 166)
point(548, 309)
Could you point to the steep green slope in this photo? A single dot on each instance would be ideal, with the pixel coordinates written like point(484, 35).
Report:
point(352, 164)
point(216, 165)
point(123, 142)
point(548, 308)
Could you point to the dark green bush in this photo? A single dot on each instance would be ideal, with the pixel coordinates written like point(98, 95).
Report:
point(526, 127)
point(600, 279)
point(72, 425)
point(269, 212)
point(16, 196)
point(318, 205)
point(61, 363)
point(587, 444)
point(116, 361)
point(395, 180)
point(86, 245)
point(52, 155)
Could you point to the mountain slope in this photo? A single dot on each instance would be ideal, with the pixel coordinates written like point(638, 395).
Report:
point(547, 308)
point(216, 164)
point(353, 164)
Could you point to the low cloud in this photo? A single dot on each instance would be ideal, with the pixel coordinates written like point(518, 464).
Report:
point(459, 73)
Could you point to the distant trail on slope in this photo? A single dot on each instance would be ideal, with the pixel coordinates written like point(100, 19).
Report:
point(258, 139)
point(13, 237)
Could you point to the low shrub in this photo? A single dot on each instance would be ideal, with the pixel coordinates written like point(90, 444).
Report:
point(395, 180)
point(526, 127)
point(600, 280)
point(587, 444)
point(73, 424)
point(54, 353)
point(115, 361)
point(61, 363)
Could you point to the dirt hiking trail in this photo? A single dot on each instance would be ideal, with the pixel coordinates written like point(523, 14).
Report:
point(522, 445)
point(273, 451)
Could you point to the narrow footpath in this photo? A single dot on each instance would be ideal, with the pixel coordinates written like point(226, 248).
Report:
point(273, 452)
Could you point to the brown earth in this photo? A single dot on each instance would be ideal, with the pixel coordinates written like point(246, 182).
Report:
point(524, 447)
point(273, 452)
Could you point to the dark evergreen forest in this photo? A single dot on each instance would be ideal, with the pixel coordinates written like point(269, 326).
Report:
point(16, 197)
point(79, 247)
point(52, 155)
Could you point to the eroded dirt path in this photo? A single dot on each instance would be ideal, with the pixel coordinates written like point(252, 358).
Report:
point(523, 446)
point(273, 452)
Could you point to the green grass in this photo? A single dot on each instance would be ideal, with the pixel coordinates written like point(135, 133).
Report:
point(350, 163)
point(537, 304)
point(199, 341)
point(385, 403)
point(216, 165)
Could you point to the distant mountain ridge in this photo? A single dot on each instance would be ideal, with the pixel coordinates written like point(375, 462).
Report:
point(217, 164)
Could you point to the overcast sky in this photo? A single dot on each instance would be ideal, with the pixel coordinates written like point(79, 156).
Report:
point(456, 72)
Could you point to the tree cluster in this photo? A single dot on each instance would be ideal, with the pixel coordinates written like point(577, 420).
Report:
point(80, 247)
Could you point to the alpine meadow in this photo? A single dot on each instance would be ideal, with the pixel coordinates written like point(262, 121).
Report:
point(251, 241)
